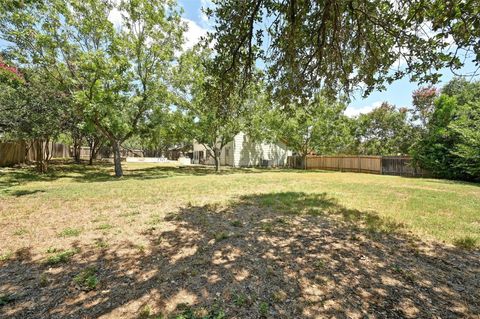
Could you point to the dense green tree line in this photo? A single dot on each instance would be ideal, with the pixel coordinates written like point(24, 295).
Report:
point(73, 73)
point(113, 75)
point(450, 144)
point(441, 131)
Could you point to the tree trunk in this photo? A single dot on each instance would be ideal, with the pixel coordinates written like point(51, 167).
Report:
point(93, 153)
point(48, 155)
point(77, 144)
point(75, 150)
point(117, 158)
point(41, 164)
point(27, 150)
point(90, 160)
point(216, 157)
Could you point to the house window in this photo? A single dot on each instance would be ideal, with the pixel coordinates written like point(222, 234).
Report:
point(227, 151)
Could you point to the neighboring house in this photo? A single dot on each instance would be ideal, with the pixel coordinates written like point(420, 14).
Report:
point(242, 152)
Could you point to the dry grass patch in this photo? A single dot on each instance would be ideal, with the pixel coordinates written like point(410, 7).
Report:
point(188, 243)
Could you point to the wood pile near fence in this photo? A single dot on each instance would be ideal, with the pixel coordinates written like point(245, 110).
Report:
point(12, 153)
point(386, 165)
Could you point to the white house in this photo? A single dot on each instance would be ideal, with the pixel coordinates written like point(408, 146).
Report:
point(242, 152)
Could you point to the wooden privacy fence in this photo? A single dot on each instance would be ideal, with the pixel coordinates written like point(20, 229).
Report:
point(17, 152)
point(12, 153)
point(55, 150)
point(386, 165)
point(401, 165)
point(366, 164)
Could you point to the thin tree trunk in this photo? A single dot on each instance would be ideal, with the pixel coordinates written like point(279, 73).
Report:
point(48, 151)
point(117, 158)
point(217, 163)
point(90, 160)
point(41, 165)
point(94, 153)
point(28, 146)
point(91, 143)
point(77, 145)
point(75, 150)
point(216, 157)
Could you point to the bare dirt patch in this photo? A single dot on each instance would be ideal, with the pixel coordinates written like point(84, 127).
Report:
point(259, 257)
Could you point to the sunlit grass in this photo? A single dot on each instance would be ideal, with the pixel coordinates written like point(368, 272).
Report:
point(71, 197)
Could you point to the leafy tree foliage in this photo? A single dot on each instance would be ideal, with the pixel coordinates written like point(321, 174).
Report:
point(339, 45)
point(116, 74)
point(318, 127)
point(166, 130)
point(384, 131)
point(423, 104)
point(10, 80)
point(451, 146)
point(34, 110)
point(216, 108)
point(466, 129)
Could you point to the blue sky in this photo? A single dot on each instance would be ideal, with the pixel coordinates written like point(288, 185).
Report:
point(398, 93)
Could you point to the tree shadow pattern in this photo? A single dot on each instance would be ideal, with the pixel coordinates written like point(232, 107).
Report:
point(276, 255)
point(103, 172)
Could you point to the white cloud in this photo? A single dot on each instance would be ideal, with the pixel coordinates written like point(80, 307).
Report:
point(193, 34)
point(204, 18)
point(115, 17)
point(355, 111)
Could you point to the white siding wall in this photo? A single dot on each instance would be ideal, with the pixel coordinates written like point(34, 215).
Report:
point(243, 152)
point(249, 153)
point(226, 156)
point(228, 153)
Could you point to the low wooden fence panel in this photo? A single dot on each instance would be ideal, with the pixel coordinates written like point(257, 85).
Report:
point(12, 153)
point(387, 165)
point(17, 152)
point(56, 150)
point(366, 164)
point(295, 162)
point(401, 165)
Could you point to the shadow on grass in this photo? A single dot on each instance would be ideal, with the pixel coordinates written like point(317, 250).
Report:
point(103, 172)
point(20, 193)
point(277, 255)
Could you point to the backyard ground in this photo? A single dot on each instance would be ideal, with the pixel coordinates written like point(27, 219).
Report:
point(168, 242)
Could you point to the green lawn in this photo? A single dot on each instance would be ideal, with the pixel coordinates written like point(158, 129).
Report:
point(440, 210)
point(244, 242)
